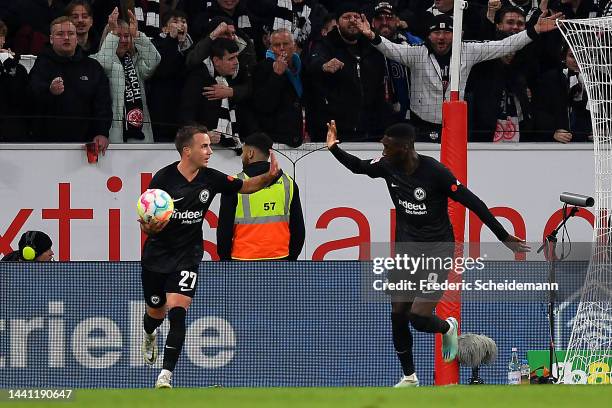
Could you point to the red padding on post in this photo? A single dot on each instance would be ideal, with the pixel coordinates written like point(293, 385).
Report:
point(453, 154)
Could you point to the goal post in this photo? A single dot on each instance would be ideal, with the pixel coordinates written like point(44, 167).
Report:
point(589, 352)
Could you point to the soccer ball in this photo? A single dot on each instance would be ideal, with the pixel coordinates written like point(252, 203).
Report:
point(155, 203)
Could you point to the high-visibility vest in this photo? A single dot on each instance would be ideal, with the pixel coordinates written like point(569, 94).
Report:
point(261, 222)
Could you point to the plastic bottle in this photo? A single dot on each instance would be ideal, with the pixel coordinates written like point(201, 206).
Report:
point(525, 372)
point(514, 368)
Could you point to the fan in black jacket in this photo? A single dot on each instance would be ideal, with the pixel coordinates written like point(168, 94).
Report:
point(208, 94)
point(79, 110)
point(348, 76)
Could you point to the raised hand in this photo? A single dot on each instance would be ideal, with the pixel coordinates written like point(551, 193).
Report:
point(546, 24)
point(280, 64)
point(112, 21)
point(492, 8)
point(364, 27)
point(274, 169)
point(133, 24)
point(215, 137)
point(172, 30)
point(223, 30)
point(332, 134)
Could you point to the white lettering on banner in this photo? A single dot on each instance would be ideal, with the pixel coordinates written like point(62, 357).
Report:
point(86, 209)
point(206, 334)
point(97, 341)
point(86, 338)
point(56, 340)
point(19, 334)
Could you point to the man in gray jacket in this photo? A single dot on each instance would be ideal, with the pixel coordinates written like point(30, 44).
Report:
point(430, 65)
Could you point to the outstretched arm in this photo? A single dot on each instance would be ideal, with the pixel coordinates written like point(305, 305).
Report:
point(403, 53)
point(464, 196)
point(255, 184)
point(353, 163)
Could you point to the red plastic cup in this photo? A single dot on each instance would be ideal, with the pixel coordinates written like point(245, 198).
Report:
point(92, 152)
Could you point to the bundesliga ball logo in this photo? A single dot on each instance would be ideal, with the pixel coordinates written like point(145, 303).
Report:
point(155, 203)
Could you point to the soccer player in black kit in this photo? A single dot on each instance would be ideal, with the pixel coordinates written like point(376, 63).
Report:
point(173, 249)
point(419, 187)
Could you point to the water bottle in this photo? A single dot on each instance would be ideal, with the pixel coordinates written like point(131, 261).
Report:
point(514, 369)
point(525, 372)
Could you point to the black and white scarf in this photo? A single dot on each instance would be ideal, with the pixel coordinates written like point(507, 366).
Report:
point(243, 19)
point(133, 113)
point(148, 18)
point(296, 21)
point(226, 122)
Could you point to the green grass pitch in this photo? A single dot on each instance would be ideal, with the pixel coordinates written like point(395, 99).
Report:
point(452, 396)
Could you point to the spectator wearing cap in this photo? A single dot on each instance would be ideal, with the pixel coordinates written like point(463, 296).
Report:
point(81, 15)
point(276, 103)
point(397, 76)
point(430, 66)
point(347, 75)
point(165, 86)
point(71, 92)
point(14, 100)
point(34, 246)
point(271, 226)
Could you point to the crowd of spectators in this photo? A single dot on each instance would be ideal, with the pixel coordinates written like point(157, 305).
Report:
point(110, 71)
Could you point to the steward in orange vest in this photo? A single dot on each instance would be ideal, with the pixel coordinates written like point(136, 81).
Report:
point(265, 225)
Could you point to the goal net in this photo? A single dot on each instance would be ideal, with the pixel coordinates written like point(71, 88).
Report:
point(589, 353)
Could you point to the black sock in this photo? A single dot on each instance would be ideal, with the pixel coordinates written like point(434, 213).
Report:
point(150, 323)
point(176, 337)
point(429, 324)
point(402, 341)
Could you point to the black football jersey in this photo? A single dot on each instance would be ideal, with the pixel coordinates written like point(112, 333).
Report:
point(179, 245)
point(421, 198)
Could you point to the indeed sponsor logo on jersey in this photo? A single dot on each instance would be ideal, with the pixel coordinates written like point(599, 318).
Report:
point(188, 217)
point(413, 209)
